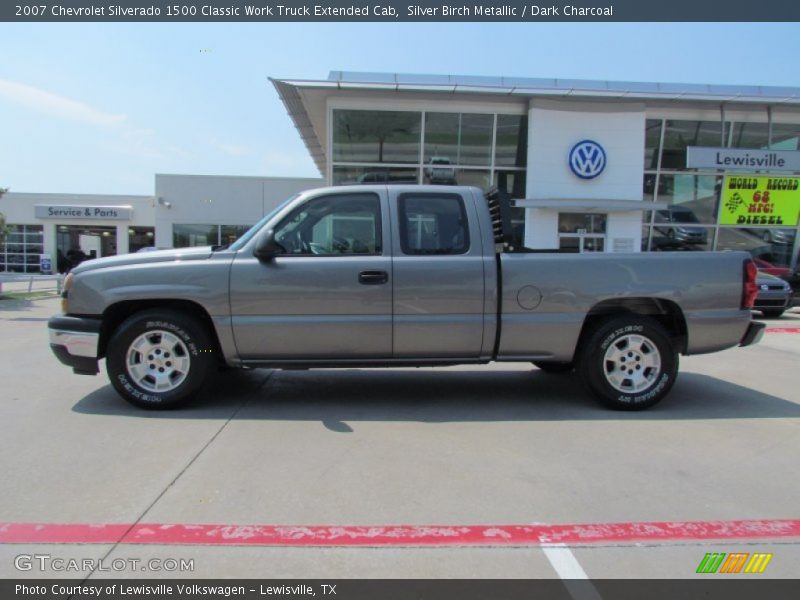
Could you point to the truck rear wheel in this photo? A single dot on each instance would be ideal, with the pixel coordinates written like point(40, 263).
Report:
point(629, 363)
point(158, 359)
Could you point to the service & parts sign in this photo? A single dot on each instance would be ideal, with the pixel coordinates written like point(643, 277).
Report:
point(752, 200)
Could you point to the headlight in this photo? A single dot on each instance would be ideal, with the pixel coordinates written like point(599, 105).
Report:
point(68, 281)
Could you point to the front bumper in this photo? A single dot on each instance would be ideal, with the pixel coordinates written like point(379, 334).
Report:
point(754, 333)
point(74, 341)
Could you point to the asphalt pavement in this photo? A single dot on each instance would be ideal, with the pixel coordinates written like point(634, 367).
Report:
point(492, 447)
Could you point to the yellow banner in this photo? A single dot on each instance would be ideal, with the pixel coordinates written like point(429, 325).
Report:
point(751, 200)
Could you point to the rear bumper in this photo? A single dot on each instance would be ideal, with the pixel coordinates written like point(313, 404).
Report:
point(754, 333)
point(74, 341)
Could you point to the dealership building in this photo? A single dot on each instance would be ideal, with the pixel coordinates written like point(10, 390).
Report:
point(594, 166)
point(186, 210)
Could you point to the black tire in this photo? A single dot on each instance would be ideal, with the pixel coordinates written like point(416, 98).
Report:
point(773, 314)
point(175, 336)
point(554, 367)
point(647, 383)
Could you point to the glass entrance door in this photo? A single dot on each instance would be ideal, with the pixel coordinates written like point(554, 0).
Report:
point(582, 232)
point(581, 243)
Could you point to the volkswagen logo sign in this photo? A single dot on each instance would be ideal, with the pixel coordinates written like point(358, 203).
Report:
point(587, 159)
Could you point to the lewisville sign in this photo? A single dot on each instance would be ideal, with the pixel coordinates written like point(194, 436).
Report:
point(93, 213)
point(701, 157)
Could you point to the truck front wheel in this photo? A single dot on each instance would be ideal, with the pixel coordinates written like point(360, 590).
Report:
point(629, 363)
point(158, 359)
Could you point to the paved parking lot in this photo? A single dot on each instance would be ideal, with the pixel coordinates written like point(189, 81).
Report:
point(491, 447)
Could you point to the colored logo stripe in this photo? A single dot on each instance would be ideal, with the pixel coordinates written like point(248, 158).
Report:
point(711, 562)
point(734, 562)
point(714, 562)
point(758, 563)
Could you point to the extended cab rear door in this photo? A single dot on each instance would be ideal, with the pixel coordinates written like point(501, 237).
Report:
point(439, 293)
point(328, 296)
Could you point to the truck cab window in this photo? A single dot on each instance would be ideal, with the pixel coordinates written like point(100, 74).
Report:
point(433, 224)
point(333, 225)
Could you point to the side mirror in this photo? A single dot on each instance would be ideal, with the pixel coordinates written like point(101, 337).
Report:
point(267, 248)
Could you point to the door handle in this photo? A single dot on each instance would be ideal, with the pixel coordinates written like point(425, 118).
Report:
point(373, 277)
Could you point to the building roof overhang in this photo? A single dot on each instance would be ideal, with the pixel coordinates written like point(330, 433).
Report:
point(589, 205)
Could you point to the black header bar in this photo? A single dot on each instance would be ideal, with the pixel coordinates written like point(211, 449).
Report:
point(390, 11)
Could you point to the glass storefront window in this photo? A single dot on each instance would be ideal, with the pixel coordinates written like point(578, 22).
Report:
point(376, 136)
point(454, 146)
point(733, 238)
point(230, 233)
point(511, 144)
point(680, 134)
point(669, 235)
point(652, 139)
point(184, 236)
point(785, 136)
point(458, 139)
point(696, 193)
point(645, 237)
point(649, 191)
point(476, 177)
point(21, 249)
point(750, 135)
point(365, 175)
point(140, 237)
point(771, 245)
point(756, 135)
point(76, 243)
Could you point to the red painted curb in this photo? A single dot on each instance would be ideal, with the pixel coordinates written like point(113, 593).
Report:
point(783, 330)
point(402, 535)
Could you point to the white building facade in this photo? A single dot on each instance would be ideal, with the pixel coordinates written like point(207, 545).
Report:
point(186, 210)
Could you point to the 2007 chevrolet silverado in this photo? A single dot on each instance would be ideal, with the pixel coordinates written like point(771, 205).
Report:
point(366, 276)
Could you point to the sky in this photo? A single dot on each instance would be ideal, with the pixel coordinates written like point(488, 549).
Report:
point(100, 108)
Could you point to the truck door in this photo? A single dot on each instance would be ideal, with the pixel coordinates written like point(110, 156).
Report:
point(328, 295)
point(438, 276)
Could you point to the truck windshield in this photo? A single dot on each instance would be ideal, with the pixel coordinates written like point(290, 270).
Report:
point(248, 235)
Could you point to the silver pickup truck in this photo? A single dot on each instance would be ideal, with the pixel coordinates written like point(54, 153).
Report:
point(400, 275)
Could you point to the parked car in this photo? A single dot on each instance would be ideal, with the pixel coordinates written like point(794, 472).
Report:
point(399, 276)
point(776, 271)
point(774, 295)
point(680, 226)
point(773, 236)
point(439, 171)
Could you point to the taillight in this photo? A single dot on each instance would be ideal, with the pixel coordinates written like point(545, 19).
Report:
point(749, 289)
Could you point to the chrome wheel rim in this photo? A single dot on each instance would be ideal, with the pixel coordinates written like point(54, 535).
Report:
point(158, 361)
point(632, 363)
